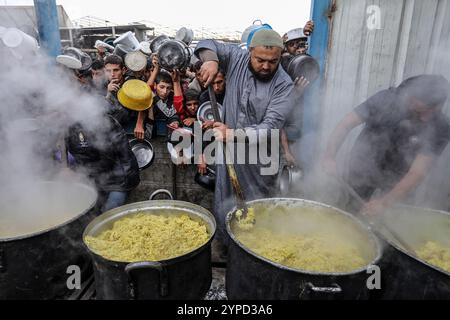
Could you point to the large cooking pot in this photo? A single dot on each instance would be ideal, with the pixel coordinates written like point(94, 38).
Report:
point(186, 277)
point(40, 237)
point(253, 277)
point(173, 55)
point(404, 274)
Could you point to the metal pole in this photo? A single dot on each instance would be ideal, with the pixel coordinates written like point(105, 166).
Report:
point(48, 26)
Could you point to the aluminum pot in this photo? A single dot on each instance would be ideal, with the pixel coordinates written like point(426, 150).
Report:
point(174, 54)
point(253, 277)
point(34, 257)
point(290, 177)
point(186, 277)
point(157, 42)
point(404, 275)
point(185, 35)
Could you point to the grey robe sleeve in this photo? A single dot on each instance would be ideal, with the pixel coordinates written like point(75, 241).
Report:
point(225, 52)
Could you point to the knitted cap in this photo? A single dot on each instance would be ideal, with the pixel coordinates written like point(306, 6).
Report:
point(266, 38)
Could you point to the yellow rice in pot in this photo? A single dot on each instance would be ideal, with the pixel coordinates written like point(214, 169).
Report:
point(148, 237)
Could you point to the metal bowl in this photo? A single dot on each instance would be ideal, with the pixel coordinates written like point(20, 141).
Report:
point(208, 180)
point(143, 151)
point(205, 111)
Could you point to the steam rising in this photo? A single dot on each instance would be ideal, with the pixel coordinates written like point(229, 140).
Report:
point(39, 102)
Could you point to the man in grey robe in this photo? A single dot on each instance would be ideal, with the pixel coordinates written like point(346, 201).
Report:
point(257, 102)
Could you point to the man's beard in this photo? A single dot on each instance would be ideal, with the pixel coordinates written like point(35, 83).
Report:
point(259, 76)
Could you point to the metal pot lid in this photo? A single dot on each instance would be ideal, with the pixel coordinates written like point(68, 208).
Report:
point(86, 60)
point(173, 54)
point(69, 61)
point(185, 35)
point(303, 65)
point(143, 151)
point(136, 61)
point(205, 111)
point(157, 42)
point(145, 48)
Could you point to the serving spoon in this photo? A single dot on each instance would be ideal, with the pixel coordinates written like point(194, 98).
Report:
point(240, 199)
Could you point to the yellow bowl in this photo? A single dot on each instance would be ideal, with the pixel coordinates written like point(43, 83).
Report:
point(135, 95)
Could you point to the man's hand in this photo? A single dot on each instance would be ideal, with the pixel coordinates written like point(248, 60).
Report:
point(308, 29)
point(139, 132)
point(290, 159)
point(113, 86)
point(207, 124)
point(222, 132)
point(188, 122)
point(301, 84)
point(174, 125)
point(375, 207)
point(208, 72)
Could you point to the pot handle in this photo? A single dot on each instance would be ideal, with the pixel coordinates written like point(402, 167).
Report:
point(161, 191)
point(163, 277)
point(334, 289)
point(2, 261)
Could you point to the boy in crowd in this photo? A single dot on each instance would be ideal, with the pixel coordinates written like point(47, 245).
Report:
point(115, 74)
point(167, 104)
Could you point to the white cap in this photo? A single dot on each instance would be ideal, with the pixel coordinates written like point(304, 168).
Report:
point(295, 34)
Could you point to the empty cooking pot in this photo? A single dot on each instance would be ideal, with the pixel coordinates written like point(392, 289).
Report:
point(185, 35)
point(174, 54)
point(157, 42)
point(303, 66)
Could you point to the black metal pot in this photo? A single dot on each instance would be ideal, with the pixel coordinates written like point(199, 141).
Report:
point(34, 266)
point(404, 275)
point(208, 180)
point(253, 277)
point(303, 66)
point(187, 277)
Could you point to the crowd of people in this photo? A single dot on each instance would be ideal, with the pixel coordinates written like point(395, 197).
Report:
point(177, 96)
point(405, 129)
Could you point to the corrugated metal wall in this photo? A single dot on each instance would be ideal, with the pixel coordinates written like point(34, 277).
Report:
point(414, 38)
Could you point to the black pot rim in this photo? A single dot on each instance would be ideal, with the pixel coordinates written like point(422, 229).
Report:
point(171, 261)
point(404, 252)
point(39, 233)
point(376, 241)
